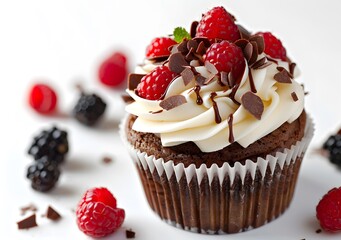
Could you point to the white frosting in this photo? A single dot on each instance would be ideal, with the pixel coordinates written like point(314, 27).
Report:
point(196, 123)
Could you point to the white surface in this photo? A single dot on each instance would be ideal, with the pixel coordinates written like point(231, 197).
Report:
point(62, 41)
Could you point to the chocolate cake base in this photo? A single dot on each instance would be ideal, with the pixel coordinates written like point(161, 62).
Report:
point(220, 194)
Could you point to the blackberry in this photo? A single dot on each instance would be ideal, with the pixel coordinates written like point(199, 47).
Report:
point(43, 174)
point(89, 108)
point(52, 143)
point(333, 146)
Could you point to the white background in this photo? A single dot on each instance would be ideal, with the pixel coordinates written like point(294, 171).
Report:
point(62, 43)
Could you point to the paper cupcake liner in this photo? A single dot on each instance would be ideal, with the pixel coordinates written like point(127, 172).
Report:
point(217, 200)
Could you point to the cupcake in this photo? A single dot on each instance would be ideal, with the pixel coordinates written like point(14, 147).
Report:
point(216, 126)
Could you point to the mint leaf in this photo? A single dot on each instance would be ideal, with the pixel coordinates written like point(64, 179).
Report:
point(180, 34)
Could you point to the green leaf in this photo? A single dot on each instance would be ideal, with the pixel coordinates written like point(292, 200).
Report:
point(180, 34)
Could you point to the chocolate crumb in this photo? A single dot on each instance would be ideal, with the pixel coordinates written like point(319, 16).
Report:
point(253, 104)
point(282, 76)
point(52, 214)
point(107, 160)
point(173, 102)
point(294, 96)
point(318, 231)
point(177, 62)
point(28, 222)
point(134, 80)
point(194, 26)
point(187, 76)
point(30, 207)
point(127, 99)
point(130, 234)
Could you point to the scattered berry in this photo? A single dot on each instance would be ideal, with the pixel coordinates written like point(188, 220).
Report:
point(89, 109)
point(273, 46)
point(155, 83)
point(226, 57)
point(43, 98)
point(218, 23)
point(43, 174)
point(97, 214)
point(113, 70)
point(52, 143)
point(333, 146)
point(159, 47)
point(328, 211)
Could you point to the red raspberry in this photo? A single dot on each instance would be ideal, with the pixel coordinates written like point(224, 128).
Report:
point(113, 70)
point(227, 57)
point(43, 98)
point(273, 46)
point(218, 23)
point(159, 47)
point(97, 215)
point(155, 83)
point(328, 211)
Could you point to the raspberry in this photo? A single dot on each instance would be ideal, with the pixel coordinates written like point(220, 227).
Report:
point(155, 83)
point(113, 70)
point(227, 57)
point(218, 23)
point(328, 211)
point(97, 214)
point(43, 98)
point(273, 46)
point(89, 109)
point(159, 47)
point(333, 146)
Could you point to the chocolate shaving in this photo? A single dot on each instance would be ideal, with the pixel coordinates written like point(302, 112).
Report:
point(230, 80)
point(294, 96)
point(194, 26)
point(241, 43)
point(200, 80)
point(127, 98)
point(254, 56)
point(52, 214)
point(272, 60)
point(248, 50)
point(201, 49)
point(243, 32)
point(259, 63)
point(192, 44)
point(224, 78)
point(252, 83)
point(263, 65)
point(259, 41)
point(172, 102)
point(182, 47)
point(283, 76)
point(187, 76)
point(292, 67)
point(211, 68)
point(209, 79)
point(134, 80)
point(130, 234)
point(205, 40)
point(253, 104)
point(190, 55)
point(28, 222)
point(30, 207)
point(177, 62)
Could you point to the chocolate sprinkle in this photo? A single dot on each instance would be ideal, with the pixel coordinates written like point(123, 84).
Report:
point(194, 26)
point(253, 104)
point(130, 234)
point(177, 62)
point(52, 214)
point(230, 124)
point(173, 102)
point(294, 96)
point(211, 68)
point(282, 76)
point(134, 80)
point(127, 98)
point(28, 222)
point(187, 76)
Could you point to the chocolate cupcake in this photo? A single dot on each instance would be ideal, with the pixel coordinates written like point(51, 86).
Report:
point(216, 126)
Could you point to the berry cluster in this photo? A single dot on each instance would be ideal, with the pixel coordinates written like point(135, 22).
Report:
point(333, 147)
point(218, 27)
point(48, 149)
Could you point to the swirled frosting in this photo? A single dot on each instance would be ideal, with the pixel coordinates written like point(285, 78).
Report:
point(197, 122)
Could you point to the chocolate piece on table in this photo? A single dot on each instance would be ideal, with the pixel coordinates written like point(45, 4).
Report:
point(52, 214)
point(28, 222)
